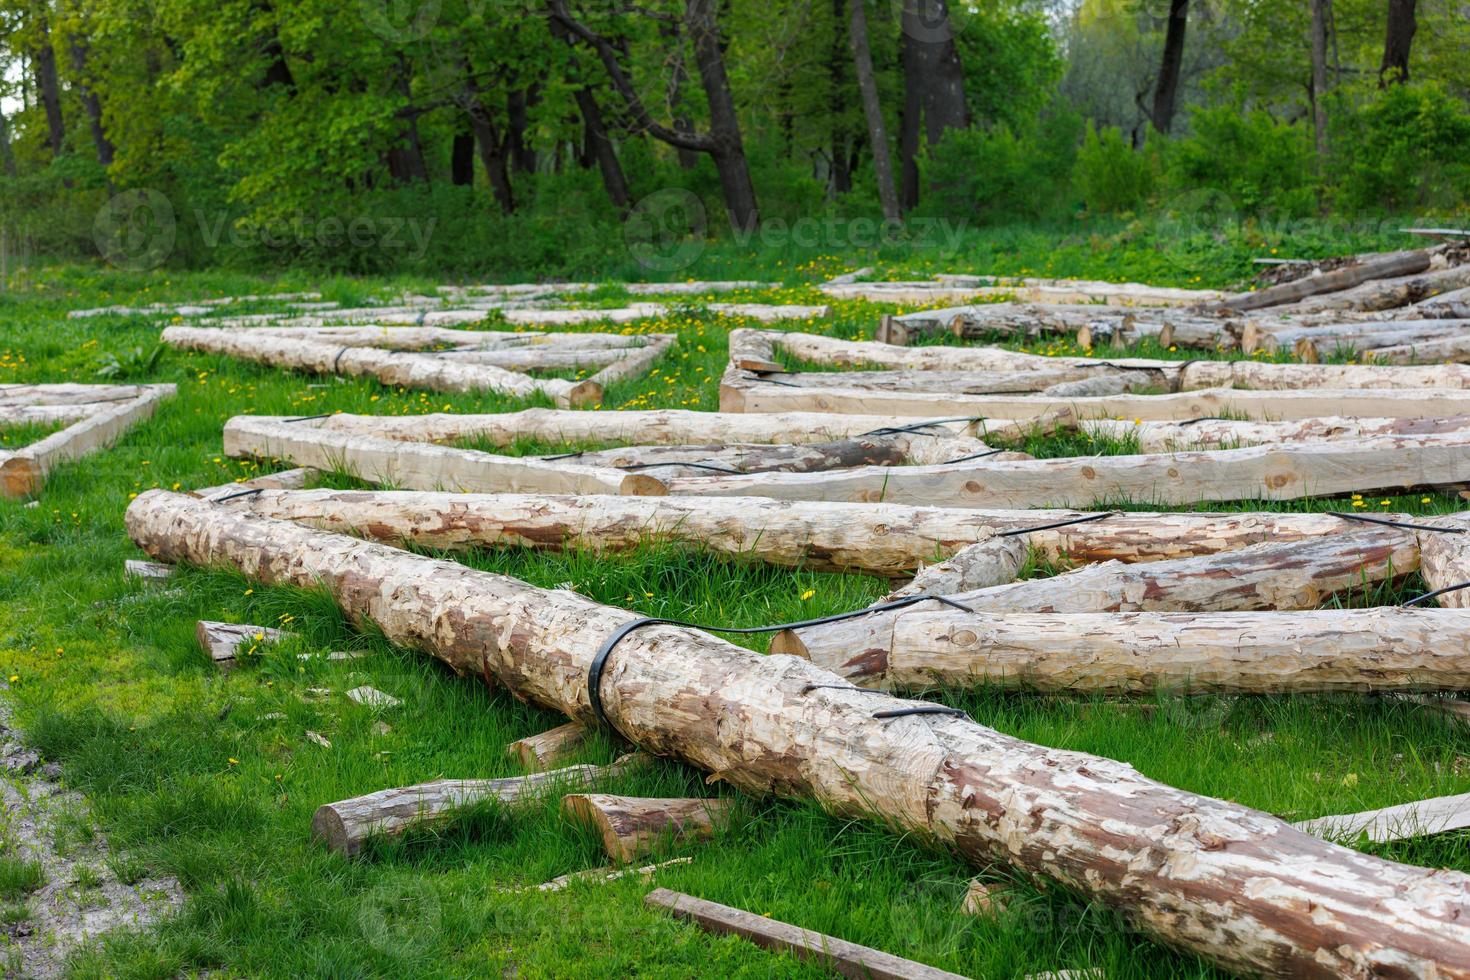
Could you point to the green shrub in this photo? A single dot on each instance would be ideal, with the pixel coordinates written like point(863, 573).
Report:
point(1408, 148)
point(996, 175)
point(1111, 176)
point(1259, 163)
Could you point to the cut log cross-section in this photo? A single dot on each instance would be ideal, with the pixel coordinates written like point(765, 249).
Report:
point(1236, 885)
point(633, 827)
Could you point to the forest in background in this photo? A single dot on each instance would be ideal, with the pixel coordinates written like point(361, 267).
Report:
point(545, 135)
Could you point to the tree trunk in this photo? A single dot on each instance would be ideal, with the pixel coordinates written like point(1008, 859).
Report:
point(678, 78)
point(1166, 90)
point(48, 85)
point(517, 103)
point(540, 752)
point(1321, 27)
point(91, 105)
point(7, 155)
point(1232, 884)
point(492, 155)
point(728, 150)
point(1445, 559)
point(462, 158)
point(862, 59)
point(406, 162)
point(1387, 267)
point(1398, 40)
point(1281, 576)
point(837, 89)
point(888, 540)
point(1386, 294)
point(600, 146)
point(277, 71)
point(1171, 437)
point(934, 84)
point(633, 827)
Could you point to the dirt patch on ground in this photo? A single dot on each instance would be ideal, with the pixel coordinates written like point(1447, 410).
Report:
point(62, 886)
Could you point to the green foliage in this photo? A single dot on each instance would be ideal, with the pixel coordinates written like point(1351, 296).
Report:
point(1110, 175)
point(1408, 148)
point(996, 175)
point(1258, 162)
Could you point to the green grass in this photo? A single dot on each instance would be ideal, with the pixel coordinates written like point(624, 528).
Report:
point(19, 877)
point(211, 778)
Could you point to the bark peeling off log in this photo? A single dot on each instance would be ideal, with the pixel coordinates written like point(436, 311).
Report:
point(1233, 884)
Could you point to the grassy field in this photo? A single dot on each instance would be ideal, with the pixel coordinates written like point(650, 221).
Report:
point(211, 778)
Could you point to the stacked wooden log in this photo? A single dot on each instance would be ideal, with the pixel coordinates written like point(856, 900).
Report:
point(1353, 302)
point(1240, 887)
point(90, 417)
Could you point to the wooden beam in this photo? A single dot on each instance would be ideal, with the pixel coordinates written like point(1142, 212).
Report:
point(840, 956)
point(148, 572)
point(346, 825)
point(1300, 652)
point(1285, 472)
point(1421, 818)
point(634, 827)
point(1238, 886)
point(891, 540)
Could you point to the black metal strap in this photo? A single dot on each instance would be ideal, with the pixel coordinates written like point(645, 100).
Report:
point(599, 659)
point(698, 466)
point(310, 418)
point(1436, 593)
point(337, 361)
point(243, 493)
point(1049, 527)
point(893, 430)
point(966, 459)
point(1403, 524)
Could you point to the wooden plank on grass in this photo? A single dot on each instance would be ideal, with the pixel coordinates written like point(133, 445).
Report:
point(842, 957)
point(1422, 818)
point(148, 572)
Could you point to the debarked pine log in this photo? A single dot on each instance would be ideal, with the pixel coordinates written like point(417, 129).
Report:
point(1283, 576)
point(1305, 652)
point(426, 466)
point(890, 540)
point(404, 368)
point(670, 427)
point(1385, 294)
point(1345, 277)
point(633, 827)
point(1233, 884)
point(1445, 558)
point(1169, 437)
point(1277, 472)
point(756, 395)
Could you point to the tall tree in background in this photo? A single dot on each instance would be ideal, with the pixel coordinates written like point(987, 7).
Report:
point(1166, 90)
point(597, 143)
point(48, 83)
point(862, 59)
point(934, 85)
point(1398, 39)
point(1321, 28)
point(722, 141)
point(90, 103)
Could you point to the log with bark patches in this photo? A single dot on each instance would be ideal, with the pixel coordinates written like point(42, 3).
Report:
point(669, 427)
point(1283, 576)
point(1454, 305)
point(537, 753)
point(1445, 558)
point(348, 824)
point(407, 369)
point(1358, 336)
point(426, 466)
point(1346, 650)
point(1232, 884)
point(890, 540)
point(1090, 324)
point(1385, 267)
point(1277, 472)
point(1386, 294)
point(633, 827)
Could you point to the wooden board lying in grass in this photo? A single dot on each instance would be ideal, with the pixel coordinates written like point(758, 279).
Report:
point(1420, 818)
point(98, 415)
point(1235, 885)
point(841, 957)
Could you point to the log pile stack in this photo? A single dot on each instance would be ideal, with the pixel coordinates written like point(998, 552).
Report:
point(90, 417)
point(1398, 306)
